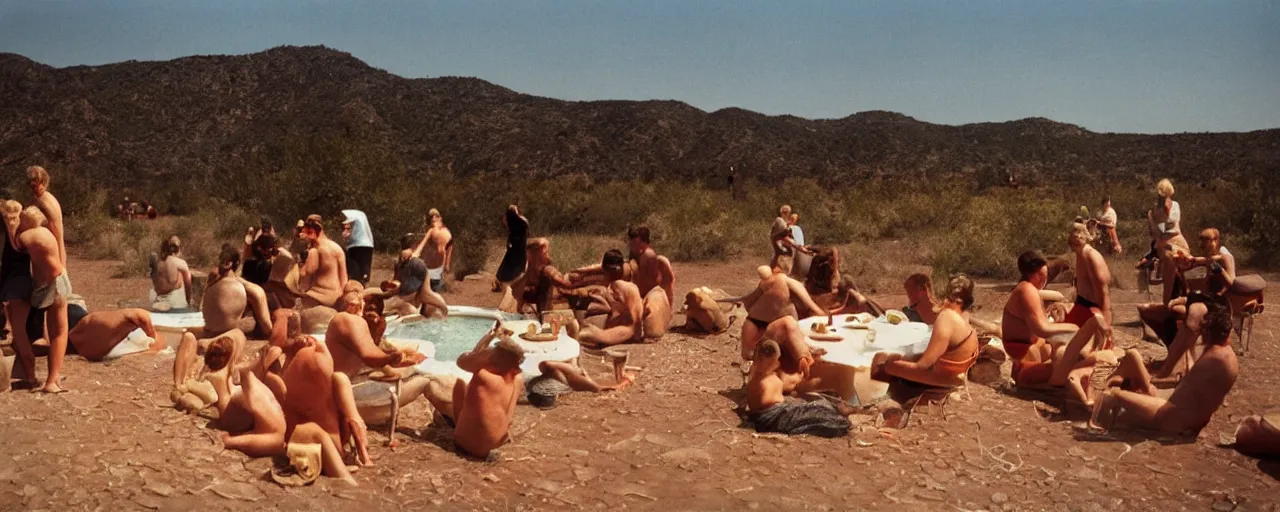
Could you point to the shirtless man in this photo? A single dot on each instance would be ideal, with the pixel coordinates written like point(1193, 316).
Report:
point(170, 274)
point(777, 296)
point(485, 406)
point(769, 409)
point(1193, 402)
point(323, 274)
point(655, 279)
point(1093, 280)
point(1026, 329)
point(51, 287)
point(577, 379)
point(352, 345)
point(438, 243)
point(95, 335)
point(38, 179)
point(625, 321)
point(767, 385)
point(227, 297)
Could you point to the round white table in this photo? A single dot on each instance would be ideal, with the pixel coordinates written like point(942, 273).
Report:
point(846, 365)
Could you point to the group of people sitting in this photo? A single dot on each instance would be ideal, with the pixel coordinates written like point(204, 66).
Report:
point(1051, 344)
point(282, 299)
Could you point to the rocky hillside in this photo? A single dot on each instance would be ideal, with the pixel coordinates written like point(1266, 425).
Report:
point(197, 116)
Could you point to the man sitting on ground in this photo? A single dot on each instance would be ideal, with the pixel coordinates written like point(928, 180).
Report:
point(656, 281)
point(1135, 402)
point(484, 407)
point(625, 321)
point(770, 410)
point(227, 298)
point(170, 278)
point(776, 296)
point(1026, 331)
point(572, 377)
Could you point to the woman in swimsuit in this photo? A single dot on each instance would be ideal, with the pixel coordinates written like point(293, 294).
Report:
point(952, 349)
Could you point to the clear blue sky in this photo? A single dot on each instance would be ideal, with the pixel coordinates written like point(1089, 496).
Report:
point(1114, 66)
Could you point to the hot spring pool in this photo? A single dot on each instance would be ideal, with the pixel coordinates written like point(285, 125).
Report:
point(463, 328)
point(451, 336)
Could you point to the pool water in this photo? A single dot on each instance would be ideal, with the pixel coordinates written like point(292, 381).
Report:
point(451, 336)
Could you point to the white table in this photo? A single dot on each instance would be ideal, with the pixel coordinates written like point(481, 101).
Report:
point(846, 365)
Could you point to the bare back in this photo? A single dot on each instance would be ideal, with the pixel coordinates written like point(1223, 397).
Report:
point(345, 336)
point(771, 300)
point(169, 275)
point(223, 305)
point(46, 264)
point(308, 377)
point(484, 418)
point(327, 277)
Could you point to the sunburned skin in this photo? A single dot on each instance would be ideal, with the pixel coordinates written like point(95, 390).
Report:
point(485, 406)
point(98, 333)
point(775, 297)
point(226, 301)
point(172, 273)
point(324, 274)
point(625, 321)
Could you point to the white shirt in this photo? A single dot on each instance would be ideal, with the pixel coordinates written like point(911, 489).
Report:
point(1107, 217)
point(797, 234)
point(361, 234)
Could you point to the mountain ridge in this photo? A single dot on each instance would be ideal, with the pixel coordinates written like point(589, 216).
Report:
point(204, 114)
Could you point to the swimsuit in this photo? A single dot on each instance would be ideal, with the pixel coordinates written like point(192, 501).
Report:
point(1027, 373)
point(437, 278)
point(44, 296)
point(411, 274)
point(952, 367)
point(760, 324)
point(1082, 311)
point(15, 273)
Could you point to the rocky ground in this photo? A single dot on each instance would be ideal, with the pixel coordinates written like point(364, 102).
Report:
point(672, 442)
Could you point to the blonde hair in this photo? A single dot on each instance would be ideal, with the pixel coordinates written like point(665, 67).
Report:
point(11, 209)
point(960, 291)
point(34, 215)
point(38, 174)
point(1165, 188)
point(1081, 230)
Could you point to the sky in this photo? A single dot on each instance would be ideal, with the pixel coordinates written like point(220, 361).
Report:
point(1145, 66)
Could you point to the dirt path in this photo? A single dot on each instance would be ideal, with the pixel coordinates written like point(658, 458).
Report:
point(672, 442)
